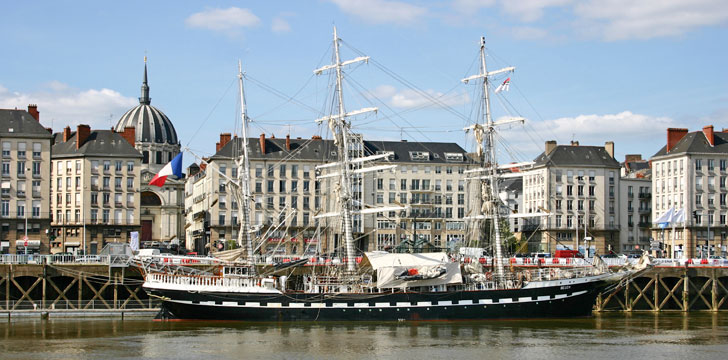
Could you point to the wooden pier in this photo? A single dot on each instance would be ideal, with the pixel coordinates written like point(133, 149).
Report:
point(671, 289)
point(72, 288)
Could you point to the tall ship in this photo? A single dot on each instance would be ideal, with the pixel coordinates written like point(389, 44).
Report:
point(378, 285)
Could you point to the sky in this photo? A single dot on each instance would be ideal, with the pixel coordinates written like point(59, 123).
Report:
point(591, 70)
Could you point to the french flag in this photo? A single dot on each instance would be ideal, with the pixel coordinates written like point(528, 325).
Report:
point(174, 167)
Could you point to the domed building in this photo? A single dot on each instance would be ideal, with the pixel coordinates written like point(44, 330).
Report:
point(162, 219)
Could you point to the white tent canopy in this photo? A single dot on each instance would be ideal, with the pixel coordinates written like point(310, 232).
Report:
point(389, 266)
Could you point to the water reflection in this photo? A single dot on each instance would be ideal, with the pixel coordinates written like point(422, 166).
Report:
point(694, 335)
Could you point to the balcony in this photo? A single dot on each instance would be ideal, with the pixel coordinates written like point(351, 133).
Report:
point(645, 195)
point(643, 224)
point(645, 210)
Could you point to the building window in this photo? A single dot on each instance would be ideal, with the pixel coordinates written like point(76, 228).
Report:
point(21, 168)
point(159, 157)
point(21, 150)
point(5, 208)
point(6, 149)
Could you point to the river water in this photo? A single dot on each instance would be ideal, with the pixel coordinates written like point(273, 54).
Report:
point(612, 336)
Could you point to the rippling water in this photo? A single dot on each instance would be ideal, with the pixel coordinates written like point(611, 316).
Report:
point(614, 336)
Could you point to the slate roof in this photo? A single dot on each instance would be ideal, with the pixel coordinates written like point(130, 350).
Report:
point(696, 142)
point(566, 155)
point(102, 143)
point(634, 166)
point(275, 149)
point(151, 125)
point(325, 150)
point(22, 124)
point(436, 151)
point(512, 184)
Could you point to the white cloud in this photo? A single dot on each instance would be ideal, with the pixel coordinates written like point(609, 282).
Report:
point(280, 25)
point(632, 133)
point(528, 32)
point(382, 11)
point(524, 10)
point(610, 19)
point(627, 19)
point(407, 99)
point(63, 105)
point(229, 21)
point(530, 10)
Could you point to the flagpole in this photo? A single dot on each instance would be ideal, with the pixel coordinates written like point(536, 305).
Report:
point(672, 246)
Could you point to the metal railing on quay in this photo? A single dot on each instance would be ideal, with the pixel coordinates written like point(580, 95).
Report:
point(35, 259)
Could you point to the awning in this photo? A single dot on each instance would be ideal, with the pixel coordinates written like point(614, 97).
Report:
point(31, 243)
point(72, 243)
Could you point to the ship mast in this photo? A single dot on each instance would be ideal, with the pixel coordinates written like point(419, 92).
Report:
point(485, 134)
point(243, 164)
point(340, 130)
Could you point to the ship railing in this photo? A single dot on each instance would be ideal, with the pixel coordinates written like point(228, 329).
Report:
point(199, 280)
point(183, 260)
point(552, 273)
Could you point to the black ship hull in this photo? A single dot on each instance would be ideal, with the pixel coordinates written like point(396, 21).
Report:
point(547, 301)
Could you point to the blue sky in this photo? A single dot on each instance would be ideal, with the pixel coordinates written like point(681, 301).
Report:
point(593, 70)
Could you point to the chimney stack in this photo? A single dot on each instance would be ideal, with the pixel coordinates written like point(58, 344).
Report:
point(574, 143)
point(82, 133)
point(66, 133)
point(674, 135)
point(550, 146)
point(224, 139)
point(129, 135)
point(262, 144)
point(632, 158)
point(609, 147)
point(33, 110)
point(708, 131)
point(316, 137)
point(288, 142)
